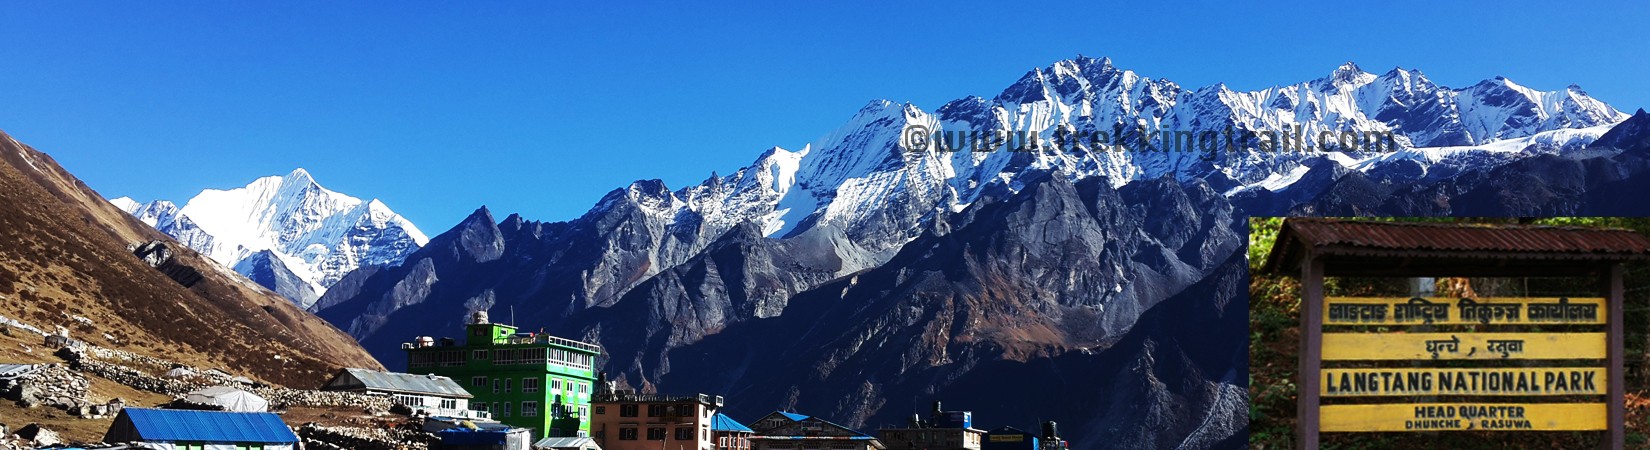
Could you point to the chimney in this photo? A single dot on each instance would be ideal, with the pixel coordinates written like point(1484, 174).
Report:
point(1051, 430)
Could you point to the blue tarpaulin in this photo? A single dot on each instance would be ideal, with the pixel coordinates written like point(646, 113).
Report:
point(466, 436)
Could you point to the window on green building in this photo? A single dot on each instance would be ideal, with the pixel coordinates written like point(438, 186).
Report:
point(529, 385)
point(478, 381)
point(529, 409)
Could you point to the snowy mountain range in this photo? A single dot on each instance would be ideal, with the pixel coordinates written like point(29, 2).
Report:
point(285, 232)
point(1109, 282)
point(862, 180)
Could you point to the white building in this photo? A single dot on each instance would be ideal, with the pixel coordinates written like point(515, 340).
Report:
point(434, 395)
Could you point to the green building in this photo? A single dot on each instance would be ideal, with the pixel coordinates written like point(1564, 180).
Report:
point(528, 380)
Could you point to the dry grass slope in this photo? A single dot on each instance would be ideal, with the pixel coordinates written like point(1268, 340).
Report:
point(63, 255)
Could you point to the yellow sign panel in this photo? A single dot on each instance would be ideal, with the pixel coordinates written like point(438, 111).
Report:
point(1462, 311)
point(1483, 346)
point(1463, 416)
point(1456, 381)
point(1007, 438)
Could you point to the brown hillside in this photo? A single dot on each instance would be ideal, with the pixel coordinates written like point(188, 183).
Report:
point(63, 254)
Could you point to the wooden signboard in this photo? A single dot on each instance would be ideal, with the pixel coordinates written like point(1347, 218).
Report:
point(1434, 364)
point(1463, 416)
point(1463, 345)
point(1463, 311)
point(1459, 381)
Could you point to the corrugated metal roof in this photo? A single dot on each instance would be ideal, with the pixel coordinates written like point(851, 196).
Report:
point(1458, 240)
point(563, 442)
point(170, 425)
point(721, 422)
point(1468, 237)
point(409, 383)
point(801, 417)
point(9, 371)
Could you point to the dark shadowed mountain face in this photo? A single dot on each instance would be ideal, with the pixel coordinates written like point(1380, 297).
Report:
point(1056, 270)
point(858, 280)
point(1041, 285)
point(269, 271)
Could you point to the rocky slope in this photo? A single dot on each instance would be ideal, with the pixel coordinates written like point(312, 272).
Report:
point(66, 260)
point(287, 232)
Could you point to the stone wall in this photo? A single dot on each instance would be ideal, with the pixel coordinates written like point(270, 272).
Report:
point(117, 365)
point(336, 438)
point(48, 385)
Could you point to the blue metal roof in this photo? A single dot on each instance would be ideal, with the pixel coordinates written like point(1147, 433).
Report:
point(721, 422)
point(169, 425)
point(793, 416)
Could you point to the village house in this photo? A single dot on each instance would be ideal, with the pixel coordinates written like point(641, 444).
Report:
point(626, 420)
point(523, 379)
point(942, 430)
point(782, 430)
point(182, 429)
point(1010, 438)
point(729, 433)
point(434, 395)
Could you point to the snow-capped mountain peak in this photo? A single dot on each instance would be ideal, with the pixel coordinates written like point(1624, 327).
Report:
point(865, 180)
point(316, 233)
point(1348, 76)
point(126, 204)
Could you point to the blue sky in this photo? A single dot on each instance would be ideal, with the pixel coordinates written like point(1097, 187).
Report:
point(542, 107)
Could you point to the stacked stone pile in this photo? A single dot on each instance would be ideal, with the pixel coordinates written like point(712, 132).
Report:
point(335, 438)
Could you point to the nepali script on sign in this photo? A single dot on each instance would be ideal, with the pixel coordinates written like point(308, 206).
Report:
point(1430, 346)
point(1462, 311)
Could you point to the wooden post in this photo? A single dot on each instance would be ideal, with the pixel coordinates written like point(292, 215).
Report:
point(1311, 354)
point(1617, 434)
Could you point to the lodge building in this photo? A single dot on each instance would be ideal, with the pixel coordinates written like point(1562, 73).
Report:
point(528, 380)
